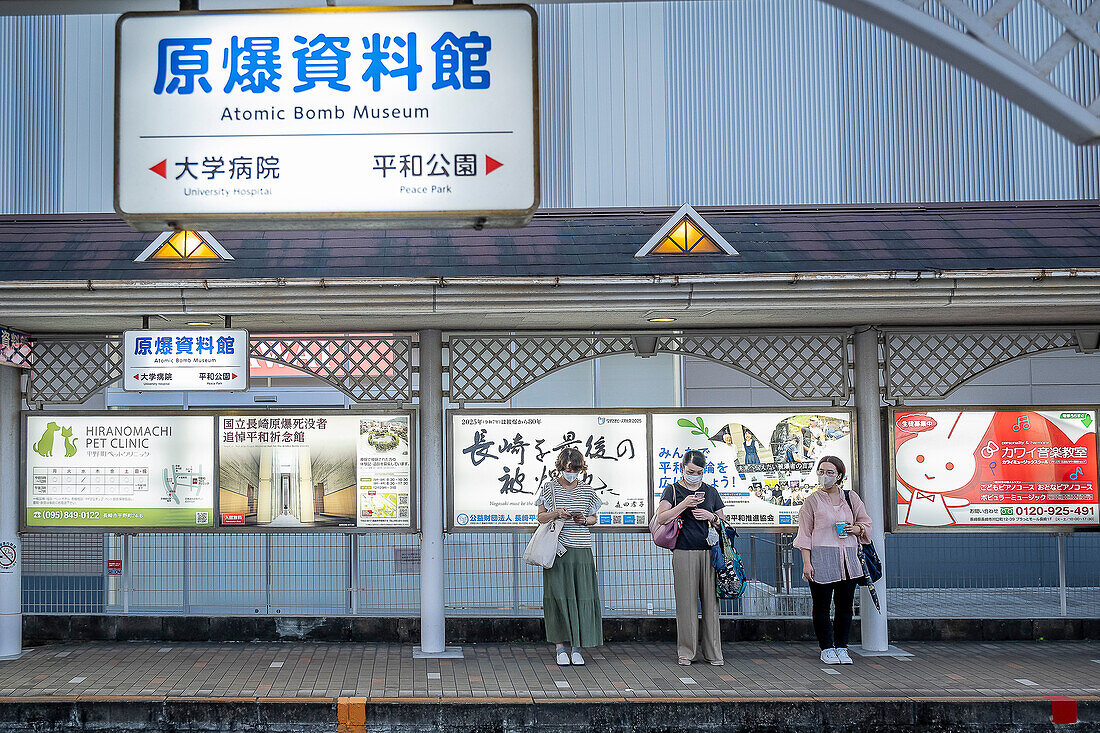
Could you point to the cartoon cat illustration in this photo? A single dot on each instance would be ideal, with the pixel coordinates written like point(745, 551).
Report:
point(70, 442)
point(936, 463)
point(44, 446)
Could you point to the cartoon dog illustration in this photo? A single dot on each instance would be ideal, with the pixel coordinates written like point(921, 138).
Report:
point(44, 446)
point(937, 462)
point(70, 442)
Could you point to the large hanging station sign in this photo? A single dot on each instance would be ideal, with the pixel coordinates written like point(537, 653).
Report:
point(178, 361)
point(987, 468)
point(118, 471)
point(499, 459)
point(316, 471)
point(763, 463)
point(333, 118)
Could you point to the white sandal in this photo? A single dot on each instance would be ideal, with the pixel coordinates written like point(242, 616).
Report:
point(563, 658)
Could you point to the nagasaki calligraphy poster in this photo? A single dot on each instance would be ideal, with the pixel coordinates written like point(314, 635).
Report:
point(763, 464)
point(499, 460)
point(975, 468)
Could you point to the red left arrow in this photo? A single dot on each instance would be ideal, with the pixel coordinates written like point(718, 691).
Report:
point(161, 168)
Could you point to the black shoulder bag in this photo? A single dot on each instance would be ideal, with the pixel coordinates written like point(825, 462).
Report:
point(868, 556)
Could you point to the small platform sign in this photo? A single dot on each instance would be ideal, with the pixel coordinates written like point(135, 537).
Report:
point(327, 118)
point(183, 361)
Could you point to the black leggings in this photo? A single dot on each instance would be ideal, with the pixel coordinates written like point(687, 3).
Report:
point(841, 594)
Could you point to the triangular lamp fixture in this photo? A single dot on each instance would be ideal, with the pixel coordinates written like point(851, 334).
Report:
point(184, 245)
point(686, 233)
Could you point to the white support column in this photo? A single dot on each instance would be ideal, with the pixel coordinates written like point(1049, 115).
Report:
point(11, 552)
point(432, 620)
point(870, 440)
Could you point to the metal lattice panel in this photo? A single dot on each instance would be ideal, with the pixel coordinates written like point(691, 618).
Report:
point(801, 366)
point(15, 348)
point(491, 368)
point(366, 369)
point(72, 369)
point(929, 364)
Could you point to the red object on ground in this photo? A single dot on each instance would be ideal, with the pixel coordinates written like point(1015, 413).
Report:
point(1063, 710)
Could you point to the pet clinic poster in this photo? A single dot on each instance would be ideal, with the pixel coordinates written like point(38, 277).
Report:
point(974, 468)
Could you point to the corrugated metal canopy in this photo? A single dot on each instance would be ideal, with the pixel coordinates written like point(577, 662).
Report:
point(1036, 262)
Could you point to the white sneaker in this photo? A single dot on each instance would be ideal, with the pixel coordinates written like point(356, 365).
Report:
point(563, 658)
point(829, 656)
point(577, 658)
point(842, 655)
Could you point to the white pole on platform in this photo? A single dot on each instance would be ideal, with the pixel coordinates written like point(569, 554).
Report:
point(432, 629)
point(870, 441)
point(11, 552)
point(1062, 570)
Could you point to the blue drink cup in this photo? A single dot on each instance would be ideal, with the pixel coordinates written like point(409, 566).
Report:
point(840, 529)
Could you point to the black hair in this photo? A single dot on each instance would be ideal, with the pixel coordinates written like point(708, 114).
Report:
point(695, 458)
point(838, 464)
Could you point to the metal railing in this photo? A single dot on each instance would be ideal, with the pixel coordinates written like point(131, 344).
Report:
point(1017, 575)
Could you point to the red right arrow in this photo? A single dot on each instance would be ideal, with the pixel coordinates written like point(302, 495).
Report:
point(161, 168)
point(491, 164)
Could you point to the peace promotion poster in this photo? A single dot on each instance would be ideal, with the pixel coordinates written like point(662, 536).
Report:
point(499, 460)
point(315, 471)
point(984, 468)
point(119, 471)
point(763, 464)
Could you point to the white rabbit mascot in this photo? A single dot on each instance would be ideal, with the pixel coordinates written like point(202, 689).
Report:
point(937, 462)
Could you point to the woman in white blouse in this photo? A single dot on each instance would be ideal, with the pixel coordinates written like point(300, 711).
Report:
point(831, 525)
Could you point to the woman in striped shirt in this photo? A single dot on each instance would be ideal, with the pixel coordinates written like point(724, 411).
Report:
point(570, 598)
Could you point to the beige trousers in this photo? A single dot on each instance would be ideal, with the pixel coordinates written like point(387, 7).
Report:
point(693, 581)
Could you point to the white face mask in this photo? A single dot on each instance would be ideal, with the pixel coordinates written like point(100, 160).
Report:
point(691, 480)
point(827, 480)
point(569, 476)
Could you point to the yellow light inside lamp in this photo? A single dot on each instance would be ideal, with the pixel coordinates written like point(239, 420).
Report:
point(192, 245)
point(686, 238)
point(661, 319)
point(185, 245)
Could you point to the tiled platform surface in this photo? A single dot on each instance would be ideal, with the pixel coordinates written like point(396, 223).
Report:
point(508, 677)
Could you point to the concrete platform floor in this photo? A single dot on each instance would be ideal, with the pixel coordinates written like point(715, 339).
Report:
point(525, 672)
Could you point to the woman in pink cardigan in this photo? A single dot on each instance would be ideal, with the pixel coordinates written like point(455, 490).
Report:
point(830, 528)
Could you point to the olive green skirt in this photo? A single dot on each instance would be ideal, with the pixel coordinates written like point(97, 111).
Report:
point(571, 600)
